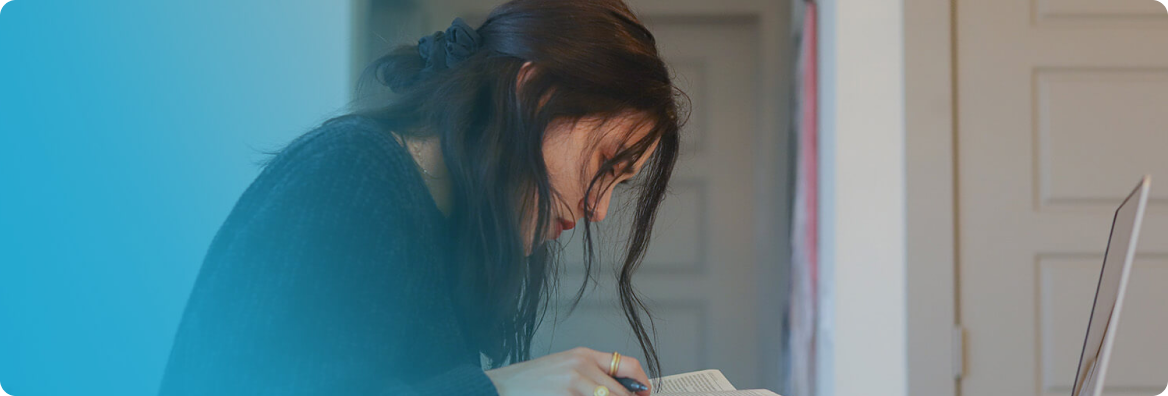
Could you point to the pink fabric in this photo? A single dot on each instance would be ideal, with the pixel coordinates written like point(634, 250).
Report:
point(805, 222)
point(809, 142)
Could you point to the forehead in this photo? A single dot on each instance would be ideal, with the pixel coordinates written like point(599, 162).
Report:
point(623, 130)
point(627, 130)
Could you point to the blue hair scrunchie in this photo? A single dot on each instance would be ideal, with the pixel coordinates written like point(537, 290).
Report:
point(444, 50)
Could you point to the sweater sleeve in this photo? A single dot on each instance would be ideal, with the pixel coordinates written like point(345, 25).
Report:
point(317, 285)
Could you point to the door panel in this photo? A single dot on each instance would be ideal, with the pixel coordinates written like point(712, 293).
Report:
point(1096, 124)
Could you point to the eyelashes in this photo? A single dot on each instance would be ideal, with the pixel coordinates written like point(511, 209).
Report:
point(614, 174)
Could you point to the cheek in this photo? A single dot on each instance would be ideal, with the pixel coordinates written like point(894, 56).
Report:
point(565, 180)
point(568, 172)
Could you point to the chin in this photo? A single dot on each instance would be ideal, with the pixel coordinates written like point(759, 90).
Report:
point(528, 251)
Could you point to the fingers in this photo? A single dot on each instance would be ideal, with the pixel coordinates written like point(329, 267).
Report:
point(629, 367)
point(594, 377)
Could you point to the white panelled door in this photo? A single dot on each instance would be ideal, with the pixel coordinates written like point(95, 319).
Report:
point(1061, 107)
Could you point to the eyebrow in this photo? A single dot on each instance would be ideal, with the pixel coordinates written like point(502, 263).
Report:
point(628, 169)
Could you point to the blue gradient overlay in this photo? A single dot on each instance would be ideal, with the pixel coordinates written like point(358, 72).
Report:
point(127, 131)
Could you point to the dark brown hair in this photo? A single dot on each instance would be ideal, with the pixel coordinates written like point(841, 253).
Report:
point(591, 58)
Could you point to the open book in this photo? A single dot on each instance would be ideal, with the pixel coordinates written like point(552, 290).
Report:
point(703, 383)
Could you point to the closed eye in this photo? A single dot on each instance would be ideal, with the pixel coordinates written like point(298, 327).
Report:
point(614, 173)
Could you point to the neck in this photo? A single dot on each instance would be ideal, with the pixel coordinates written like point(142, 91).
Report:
point(427, 153)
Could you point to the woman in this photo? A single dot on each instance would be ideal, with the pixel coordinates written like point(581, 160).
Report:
point(389, 250)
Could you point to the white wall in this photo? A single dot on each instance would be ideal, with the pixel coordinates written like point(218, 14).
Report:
point(862, 342)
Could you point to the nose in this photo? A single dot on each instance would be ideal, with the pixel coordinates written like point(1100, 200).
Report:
point(601, 207)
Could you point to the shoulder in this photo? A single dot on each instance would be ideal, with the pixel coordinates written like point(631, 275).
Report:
point(351, 153)
point(344, 136)
point(349, 163)
point(347, 178)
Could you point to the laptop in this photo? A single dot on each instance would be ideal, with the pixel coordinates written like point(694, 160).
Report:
point(1117, 263)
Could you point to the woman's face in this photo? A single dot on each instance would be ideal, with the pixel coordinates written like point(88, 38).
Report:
point(573, 157)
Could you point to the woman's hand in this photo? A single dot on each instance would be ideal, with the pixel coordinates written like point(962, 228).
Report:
point(576, 372)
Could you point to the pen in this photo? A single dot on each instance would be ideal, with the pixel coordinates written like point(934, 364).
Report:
point(631, 384)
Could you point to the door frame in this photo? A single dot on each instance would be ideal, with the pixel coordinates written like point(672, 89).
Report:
point(892, 254)
point(931, 198)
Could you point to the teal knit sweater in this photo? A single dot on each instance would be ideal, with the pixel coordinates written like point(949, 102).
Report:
point(329, 277)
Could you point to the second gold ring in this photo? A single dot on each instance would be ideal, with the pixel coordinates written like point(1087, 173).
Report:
point(615, 365)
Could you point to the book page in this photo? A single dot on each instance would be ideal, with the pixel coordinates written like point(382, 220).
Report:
point(697, 381)
point(749, 392)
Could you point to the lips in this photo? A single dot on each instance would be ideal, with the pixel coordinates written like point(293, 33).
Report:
point(567, 225)
point(562, 225)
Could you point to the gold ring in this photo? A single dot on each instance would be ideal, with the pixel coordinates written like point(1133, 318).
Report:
point(615, 365)
point(600, 391)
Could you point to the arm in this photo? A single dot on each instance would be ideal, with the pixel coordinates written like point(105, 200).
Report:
point(312, 288)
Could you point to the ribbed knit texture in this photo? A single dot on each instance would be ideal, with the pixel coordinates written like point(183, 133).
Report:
point(329, 277)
